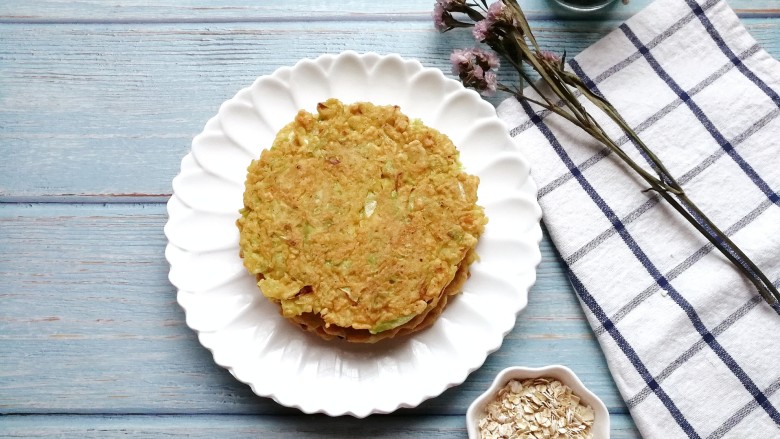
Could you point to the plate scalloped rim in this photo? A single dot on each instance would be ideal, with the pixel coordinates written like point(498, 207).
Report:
point(243, 330)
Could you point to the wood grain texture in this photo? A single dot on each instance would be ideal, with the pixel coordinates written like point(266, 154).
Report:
point(266, 427)
point(100, 100)
point(102, 110)
point(88, 11)
point(247, 10)
point(89, 323)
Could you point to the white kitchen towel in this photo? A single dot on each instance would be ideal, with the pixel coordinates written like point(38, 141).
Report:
point(692, 346)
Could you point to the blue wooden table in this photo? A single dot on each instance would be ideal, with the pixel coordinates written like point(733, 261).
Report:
point(100, 100)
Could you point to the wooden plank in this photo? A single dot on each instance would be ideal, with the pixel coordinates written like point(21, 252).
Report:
point(248, 10)
point(89, 323)
point(102, 110)
point(266, 427)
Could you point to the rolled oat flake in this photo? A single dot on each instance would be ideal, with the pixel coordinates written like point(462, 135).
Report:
point(538, 408)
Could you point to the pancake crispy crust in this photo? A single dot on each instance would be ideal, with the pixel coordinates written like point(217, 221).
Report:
point(357, 219)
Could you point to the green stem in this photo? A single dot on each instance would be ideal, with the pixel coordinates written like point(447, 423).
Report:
point(668, 186)
point(751, 270)
point(742, 261)
point(514, 41)
point(618, 119)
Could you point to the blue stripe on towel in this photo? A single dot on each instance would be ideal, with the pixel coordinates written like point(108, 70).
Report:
point(703, 119)
point(656, 117)
point(760, 183)
point(626, 61)
point(575, 66)
point(585, 296)
point(702, 16)
point(683, 97)
point(711, 129)
point(629, 352)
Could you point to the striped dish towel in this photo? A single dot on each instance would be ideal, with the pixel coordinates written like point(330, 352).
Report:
point(693, 348)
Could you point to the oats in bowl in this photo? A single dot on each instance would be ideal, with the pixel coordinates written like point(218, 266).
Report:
point(536, 406)
point(528, 403)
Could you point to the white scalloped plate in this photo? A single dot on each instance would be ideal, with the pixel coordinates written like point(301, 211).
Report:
point(245, 332)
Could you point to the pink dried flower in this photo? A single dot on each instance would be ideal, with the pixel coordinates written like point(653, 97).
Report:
point(548, 56)
point(491, 84)
point(491, 27)
point(475, 68)
point(481, 30)
point(464, 59)
point(496, 11)
point(439, 19)
point(442, 14)
point(452, 5)
point(459, 59)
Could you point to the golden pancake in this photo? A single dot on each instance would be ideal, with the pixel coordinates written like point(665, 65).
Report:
point(315, 324)
point(358, 217)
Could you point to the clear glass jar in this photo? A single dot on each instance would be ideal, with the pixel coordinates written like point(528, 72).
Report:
point(584, 5)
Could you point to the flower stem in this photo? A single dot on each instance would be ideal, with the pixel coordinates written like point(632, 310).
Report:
point(514, 39)
point(668, 186)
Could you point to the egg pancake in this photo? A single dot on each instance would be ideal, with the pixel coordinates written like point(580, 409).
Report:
point(359, 218)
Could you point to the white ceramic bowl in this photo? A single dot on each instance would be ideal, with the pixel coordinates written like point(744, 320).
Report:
point(561, 373)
